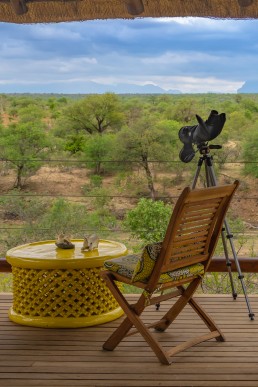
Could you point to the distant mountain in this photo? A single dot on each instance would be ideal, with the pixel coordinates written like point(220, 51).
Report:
point(87, 88)
point(127, 88)
point(249, 87)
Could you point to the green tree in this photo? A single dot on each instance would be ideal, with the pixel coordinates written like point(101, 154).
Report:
point(30, 113)
point(148, 221)
point(235, 124)
point(133, 109)
point(98, 148)
point(74, 219)
point(22, 144)
point(55, 106)
point(94, 114)
point(184, 111)
point(74, 143)
point(250, 104)
point(4, 103)
point(66, 217)
point(145, 141)
point(250, 153)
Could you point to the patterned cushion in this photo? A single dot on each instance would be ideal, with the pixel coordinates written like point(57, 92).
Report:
point(145, 264)
point(123, 265)
point(128, 264)
point(185, 272)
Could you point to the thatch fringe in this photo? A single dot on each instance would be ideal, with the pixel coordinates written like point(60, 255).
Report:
point(36, 11)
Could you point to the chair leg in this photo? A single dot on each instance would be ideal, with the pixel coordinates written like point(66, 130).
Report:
point(126, 325)
point(133, 318)
point(206, 319)
point(118, 335)
point(179, 305)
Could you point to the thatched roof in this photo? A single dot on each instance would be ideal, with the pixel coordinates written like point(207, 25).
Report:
point(37, 11)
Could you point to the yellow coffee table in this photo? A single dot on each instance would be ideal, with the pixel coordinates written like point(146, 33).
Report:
point(56, 288)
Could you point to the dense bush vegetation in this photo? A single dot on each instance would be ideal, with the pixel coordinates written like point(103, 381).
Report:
point(128, 147)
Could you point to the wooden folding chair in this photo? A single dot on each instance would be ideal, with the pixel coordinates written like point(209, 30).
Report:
point(181, 259)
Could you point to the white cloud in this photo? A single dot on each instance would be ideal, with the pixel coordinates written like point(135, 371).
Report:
point(55, 32)
point(108, 80)
point(75, 64)
point(177, 20)
point(184, 84)
point(40, 70)
point(189, 54)
point(12, 48)
point(201, 23)
point(197, 85)
point(179, 57)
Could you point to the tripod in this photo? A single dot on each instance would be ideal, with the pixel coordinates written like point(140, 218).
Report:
point(207, 159)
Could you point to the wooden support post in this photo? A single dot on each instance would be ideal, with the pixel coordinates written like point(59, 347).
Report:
point(245, 3)
point(5, 267)
point(134, 7)
point(19, 6)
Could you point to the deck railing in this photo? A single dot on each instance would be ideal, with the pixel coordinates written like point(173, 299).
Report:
point(218, 264)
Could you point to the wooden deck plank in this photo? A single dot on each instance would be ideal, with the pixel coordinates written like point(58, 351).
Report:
point(74, 357)
point(64, 383)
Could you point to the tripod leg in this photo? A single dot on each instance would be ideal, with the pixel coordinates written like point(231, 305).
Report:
point(197, 173)
point(240, 275)
point(228, 263)
point(212, 180)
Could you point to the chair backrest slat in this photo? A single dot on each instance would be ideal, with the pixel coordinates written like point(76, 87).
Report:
point(194, 227)
point(188, 239)
point(195, 258)
point(182, 238)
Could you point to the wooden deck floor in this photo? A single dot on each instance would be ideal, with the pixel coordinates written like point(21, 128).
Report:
point(74, 357)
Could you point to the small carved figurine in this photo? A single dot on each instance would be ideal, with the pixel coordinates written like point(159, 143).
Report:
point(90, 242)
point(63, 242)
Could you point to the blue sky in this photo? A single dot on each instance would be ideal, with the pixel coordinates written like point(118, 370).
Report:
point(187, 54)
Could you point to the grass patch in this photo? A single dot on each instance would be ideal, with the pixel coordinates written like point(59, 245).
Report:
point(5, 282)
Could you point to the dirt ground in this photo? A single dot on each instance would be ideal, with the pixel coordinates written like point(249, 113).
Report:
point(69, 182)
point(65, 181)
point(50, 181)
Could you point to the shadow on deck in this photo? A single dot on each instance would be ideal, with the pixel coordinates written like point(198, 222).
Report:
point(74, 357)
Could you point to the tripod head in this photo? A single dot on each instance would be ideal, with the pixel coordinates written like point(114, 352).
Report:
point(204, 148)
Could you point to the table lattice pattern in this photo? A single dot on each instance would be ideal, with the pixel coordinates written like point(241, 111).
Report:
point(60, 293)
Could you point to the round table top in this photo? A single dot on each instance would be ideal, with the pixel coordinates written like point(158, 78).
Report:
point(46, 255)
